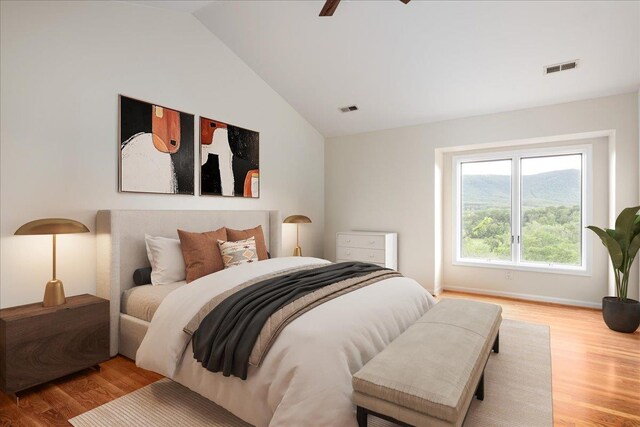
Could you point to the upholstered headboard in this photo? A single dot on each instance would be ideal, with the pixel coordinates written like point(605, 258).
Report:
point(121, 245)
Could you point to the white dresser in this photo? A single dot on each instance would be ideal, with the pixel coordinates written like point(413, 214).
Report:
point(375, 247)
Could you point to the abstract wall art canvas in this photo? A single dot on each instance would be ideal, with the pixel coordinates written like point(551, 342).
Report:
point(156, 148)
point(230, 160)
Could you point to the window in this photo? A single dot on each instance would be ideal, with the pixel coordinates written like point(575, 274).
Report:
point(523, 209)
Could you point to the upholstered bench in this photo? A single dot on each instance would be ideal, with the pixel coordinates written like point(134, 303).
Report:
point(430, 373)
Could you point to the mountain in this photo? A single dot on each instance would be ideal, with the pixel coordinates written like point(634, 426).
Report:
point(557, 188)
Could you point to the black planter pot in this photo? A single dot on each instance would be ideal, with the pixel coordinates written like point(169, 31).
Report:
point(621, 316)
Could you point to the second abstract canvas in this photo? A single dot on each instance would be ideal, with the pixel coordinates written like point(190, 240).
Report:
point(230, 160)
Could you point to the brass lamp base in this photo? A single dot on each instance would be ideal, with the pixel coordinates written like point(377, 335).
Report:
point(53, 294)
point(297, 251)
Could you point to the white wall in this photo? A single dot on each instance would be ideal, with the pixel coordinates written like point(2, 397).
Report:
point(385, 180)
point(63, 65)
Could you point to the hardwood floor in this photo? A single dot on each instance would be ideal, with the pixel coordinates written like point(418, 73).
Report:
point(596, 373)
point(54, 403)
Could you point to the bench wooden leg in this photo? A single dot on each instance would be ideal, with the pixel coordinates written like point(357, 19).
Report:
point(496, 344)
point(361, 416)
point(480, 389)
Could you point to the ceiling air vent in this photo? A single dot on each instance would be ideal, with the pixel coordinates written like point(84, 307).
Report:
point(349, 108)
point(555, 68)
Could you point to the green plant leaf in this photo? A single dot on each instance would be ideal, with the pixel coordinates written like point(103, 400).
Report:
point(624, 244)
point(615, 252)
point(625, 226)
point(633, 247)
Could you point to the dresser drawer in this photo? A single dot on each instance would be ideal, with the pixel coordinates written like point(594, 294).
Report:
point(360, 254)
point(361, 241)
point(376, 263)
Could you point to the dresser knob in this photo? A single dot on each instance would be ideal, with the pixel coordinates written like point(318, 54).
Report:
point(371, 242)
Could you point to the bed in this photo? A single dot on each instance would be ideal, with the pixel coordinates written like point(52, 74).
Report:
point(305, 378)
point(121, 250)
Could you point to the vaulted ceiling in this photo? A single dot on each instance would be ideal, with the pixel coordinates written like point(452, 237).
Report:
point(428, 60)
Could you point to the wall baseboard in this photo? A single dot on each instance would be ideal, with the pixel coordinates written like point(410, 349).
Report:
point(527, 297)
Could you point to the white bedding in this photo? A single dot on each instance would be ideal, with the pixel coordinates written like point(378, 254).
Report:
point(305, 379)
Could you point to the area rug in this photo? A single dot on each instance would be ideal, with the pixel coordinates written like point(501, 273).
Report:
point(517, 393)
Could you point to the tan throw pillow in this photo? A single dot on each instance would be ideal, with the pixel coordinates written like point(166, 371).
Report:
point(261, 246)
point(201, 252)
point(237, 253)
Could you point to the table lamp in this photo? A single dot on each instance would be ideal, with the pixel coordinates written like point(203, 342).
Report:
point(297, 220)
point(54, 291)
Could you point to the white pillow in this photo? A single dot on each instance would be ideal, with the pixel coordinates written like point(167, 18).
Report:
point(167, 263)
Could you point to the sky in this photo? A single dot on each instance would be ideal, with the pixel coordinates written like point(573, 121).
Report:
point(530, 165)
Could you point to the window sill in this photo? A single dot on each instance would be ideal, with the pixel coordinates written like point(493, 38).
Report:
point(499, 265)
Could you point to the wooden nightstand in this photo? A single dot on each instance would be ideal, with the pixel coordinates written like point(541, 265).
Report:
point(39, 344)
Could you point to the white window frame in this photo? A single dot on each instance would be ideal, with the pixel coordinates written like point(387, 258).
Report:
point(515, 156)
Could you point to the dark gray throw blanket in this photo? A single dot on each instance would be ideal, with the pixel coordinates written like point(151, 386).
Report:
point(225, 338)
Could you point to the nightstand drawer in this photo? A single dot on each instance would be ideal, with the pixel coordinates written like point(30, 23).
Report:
point(48, 343)
point(358, 254)
point(361, 241)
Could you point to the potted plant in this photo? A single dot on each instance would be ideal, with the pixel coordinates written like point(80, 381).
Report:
point(620, 313)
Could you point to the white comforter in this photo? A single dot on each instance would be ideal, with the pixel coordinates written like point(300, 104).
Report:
point(305, 379)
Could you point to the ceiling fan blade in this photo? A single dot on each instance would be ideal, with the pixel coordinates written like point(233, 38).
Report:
point(329, 7)
point(405, 1)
